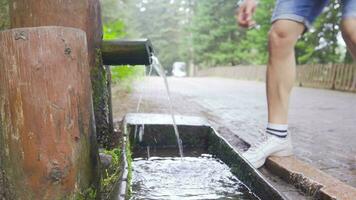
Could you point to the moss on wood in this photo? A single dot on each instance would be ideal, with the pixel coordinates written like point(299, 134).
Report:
point(101, 101)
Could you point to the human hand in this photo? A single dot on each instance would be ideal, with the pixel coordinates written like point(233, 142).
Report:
point(244, 13)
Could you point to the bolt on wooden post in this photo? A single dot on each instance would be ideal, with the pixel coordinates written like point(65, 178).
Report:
point(46, 115)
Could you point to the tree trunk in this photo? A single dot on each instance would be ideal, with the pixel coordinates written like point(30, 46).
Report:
point(46, 115)
point(82, 14)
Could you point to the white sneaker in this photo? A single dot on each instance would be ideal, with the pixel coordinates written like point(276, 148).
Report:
point(270, 146)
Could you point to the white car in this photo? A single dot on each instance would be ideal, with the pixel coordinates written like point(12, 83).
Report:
point(179, 69)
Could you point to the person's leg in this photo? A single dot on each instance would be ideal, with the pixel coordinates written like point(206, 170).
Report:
point(348, 27)
point(281, 68)
point(280, 79)
point(289, 19)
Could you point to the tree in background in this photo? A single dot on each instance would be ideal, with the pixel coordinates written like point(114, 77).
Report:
point(162, 21)
point(205, 31)
point(113, 24)
point(4, 15)
point(217, 41)
point(321, 43)
point(215, 36)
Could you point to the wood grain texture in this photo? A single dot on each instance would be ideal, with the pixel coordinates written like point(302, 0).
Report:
point(82, 14)
point(46, 113)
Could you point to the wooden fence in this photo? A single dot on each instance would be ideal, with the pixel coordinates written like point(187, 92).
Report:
point(331, 76)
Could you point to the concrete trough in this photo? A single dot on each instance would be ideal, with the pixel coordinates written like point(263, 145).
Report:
point(197, 136)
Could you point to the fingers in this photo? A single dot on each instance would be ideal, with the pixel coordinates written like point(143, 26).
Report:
point(245, 13)
point(249, 12)
point(241, 17)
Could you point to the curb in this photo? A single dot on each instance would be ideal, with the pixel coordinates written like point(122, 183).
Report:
point(310, 180)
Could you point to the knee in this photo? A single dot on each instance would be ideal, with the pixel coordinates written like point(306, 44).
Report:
point(348, 29)
point(280, 38)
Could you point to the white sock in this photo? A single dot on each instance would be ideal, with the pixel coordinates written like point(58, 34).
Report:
point(278, 130)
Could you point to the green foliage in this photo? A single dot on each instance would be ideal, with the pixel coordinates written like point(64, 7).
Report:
point(112, 174)
point(163, 22)
point(116, 156)
point(110, 10)
point(121, 73)
point(205, 31)
point(125, 75)
point(114, 30)
point(215, 33)
point(4, 15)
point(113, 25)
point(320, 45)
point(217, 41)
point(129, 163)
point(252, 48)
point(89, 194)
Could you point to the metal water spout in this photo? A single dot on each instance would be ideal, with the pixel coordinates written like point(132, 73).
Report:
point(127, 52)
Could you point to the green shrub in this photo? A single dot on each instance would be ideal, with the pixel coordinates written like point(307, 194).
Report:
point(111, 175)
point(126, 75)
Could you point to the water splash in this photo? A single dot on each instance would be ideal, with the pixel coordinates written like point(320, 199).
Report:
point(186, 178)
point(158, 67)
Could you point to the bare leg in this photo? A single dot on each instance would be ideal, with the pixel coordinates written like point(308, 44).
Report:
point(281, 68)
point(280, 80)
point(349, 34)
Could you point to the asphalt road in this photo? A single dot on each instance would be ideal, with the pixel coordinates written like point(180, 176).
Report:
point(322, 122)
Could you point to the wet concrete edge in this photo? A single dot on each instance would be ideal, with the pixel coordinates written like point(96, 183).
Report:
point(309, 179)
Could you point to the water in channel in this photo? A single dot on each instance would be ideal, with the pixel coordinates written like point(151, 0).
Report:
point(188, 178)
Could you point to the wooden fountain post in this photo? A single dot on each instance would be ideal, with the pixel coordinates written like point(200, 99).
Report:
point(82, 14)
point(46, 115)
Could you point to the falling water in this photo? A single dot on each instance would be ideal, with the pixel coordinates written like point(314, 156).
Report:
point(140, 131)
point(158, 67)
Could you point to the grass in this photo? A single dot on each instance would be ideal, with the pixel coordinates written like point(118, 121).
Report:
point(126, 75)
point(129, 163)
point(89, 194)
point(112, 174)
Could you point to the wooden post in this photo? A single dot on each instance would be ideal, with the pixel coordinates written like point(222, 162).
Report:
point(85, 15)
point(46, 118)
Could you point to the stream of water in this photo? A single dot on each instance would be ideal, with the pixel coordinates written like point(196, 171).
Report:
point(159, 69)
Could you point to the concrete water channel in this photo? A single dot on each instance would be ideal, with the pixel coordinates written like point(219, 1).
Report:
point(153, 168)
point(154, 151)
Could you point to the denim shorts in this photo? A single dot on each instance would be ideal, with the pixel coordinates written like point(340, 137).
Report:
point(306, 11)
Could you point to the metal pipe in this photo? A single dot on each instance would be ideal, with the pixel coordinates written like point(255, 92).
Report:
point(127, 52)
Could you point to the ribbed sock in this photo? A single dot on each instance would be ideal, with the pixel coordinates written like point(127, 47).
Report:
point(278, 130)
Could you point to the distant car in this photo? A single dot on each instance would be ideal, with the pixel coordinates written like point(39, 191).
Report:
point(179, 69)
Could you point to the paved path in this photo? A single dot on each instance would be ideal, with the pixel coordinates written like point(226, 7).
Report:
point(322, 122)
